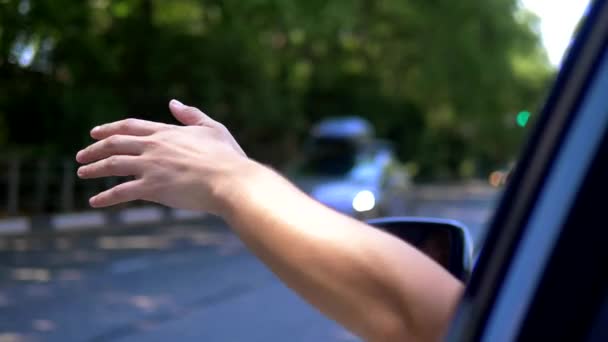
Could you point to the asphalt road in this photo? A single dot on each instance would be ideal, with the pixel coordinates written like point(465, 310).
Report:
point(187, 282)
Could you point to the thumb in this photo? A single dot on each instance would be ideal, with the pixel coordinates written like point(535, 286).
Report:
point(189, 116)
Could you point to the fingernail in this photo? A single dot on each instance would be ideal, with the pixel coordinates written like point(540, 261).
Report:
point(176, 103)
point(92, 201)
point(78, 156)
point(80, 172)
point(95, 129)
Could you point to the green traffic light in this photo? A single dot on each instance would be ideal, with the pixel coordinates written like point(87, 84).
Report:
point(522, 118)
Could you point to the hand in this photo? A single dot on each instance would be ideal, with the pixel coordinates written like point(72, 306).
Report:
point(185, 167)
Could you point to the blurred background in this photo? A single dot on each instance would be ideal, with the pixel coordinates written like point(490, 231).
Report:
point(373, 107)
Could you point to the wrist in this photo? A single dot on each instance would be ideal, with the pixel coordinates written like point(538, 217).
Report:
point(231, 194)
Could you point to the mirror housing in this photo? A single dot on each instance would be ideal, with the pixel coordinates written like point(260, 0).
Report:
point(448, 242)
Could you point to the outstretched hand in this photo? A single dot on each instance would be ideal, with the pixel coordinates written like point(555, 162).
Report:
point(184, 167)
point(328, 258)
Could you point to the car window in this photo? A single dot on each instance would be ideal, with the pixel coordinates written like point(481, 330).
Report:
point(329, 157)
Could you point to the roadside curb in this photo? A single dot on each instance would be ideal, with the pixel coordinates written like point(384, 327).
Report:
point(96, 219)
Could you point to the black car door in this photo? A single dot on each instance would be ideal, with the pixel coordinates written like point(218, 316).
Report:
point(542, 274)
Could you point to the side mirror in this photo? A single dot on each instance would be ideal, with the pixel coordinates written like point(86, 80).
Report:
point(445, 241)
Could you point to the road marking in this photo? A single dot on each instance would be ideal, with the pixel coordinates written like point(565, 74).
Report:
point(78, 221)
point(141, 215)
point(15, 225)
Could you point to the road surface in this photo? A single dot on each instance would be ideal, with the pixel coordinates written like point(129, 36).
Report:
point(181, 282)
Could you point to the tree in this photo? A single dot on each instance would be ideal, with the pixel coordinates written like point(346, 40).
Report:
point(440, 77)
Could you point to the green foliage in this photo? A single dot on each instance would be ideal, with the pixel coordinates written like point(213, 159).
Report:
point(440, 78)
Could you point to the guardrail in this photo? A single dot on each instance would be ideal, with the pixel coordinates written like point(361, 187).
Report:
point(98, 219)
point(43, 186)
point(45, 195)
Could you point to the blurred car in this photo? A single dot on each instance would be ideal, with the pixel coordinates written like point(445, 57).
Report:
point(345, 167)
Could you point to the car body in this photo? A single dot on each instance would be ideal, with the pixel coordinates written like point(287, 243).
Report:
point(345, 167)
point(541, 274)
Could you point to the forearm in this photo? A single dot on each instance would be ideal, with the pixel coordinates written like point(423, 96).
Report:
point(371, 282)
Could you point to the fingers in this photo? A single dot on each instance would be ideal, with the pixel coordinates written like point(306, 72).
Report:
point(120, 166)
point(127, 127)
point(114, 145)
point(189, 116)
point(124, 192)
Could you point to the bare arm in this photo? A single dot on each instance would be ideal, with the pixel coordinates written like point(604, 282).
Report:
point(372, 283)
